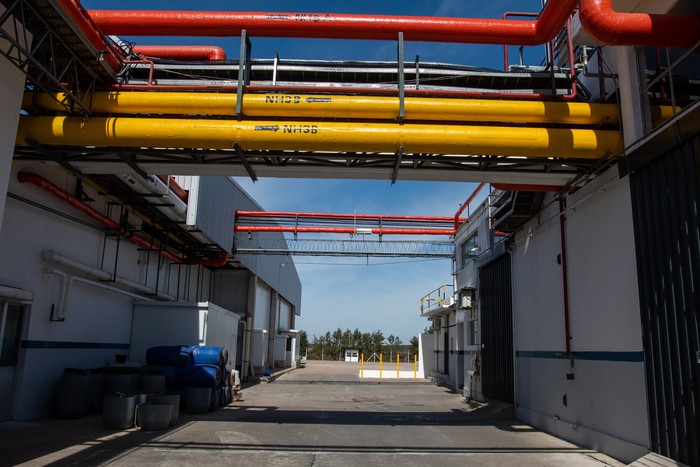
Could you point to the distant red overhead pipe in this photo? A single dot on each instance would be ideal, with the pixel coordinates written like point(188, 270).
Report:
point(326, 215)
point(190, 53)
point(341, 230)
point(466, 204)
point(214, 262)
point(86, 25)
point(637, 29)
point(338, 26)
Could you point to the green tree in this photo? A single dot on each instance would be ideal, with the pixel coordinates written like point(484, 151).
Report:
point(303, 343)
point(414, 346)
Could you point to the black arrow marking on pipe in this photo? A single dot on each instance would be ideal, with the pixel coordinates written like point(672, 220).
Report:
point(318, 99)
point(267, 128)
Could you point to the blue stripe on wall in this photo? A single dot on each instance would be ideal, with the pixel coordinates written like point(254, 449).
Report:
point(636, 357)
point(457, 352)
point(72, 345)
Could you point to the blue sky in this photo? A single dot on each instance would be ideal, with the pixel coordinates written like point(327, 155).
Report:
point(345, 292)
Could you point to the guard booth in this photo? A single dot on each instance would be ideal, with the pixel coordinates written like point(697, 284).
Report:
point(352, 355)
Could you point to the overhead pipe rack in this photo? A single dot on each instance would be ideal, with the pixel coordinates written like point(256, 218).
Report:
point(337, 223)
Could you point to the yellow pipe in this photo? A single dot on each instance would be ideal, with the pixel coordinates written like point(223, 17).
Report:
point(380, 366)
point(338, 106)
point(318, 136)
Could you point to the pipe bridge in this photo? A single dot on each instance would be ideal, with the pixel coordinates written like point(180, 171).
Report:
point(259, 245)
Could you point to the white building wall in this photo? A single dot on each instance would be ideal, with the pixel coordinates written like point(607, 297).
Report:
point(604, 405)
point(97, 322)
point(11, 91)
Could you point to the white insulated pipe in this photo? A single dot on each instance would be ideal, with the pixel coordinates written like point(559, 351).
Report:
point(53, 257)
point(18, 294)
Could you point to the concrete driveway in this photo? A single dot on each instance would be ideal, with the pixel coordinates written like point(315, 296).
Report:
point(321, 415)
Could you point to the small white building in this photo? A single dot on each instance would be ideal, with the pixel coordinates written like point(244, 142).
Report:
point(352, 355)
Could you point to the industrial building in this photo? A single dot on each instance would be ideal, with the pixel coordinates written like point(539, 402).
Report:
point(579, 305)
point(574, 293)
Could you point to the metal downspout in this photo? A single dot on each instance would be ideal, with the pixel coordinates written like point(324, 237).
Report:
point(565, 278)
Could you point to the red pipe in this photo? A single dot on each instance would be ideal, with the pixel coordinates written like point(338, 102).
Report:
point(466, 204)
point(214, 262)
point(41, 182)
point(89, 29)
point(322, 215)
point(191, 53)
point(637, 29)
point(174, 186)
point(341, 230)
point(148, 245)
point(338, 26)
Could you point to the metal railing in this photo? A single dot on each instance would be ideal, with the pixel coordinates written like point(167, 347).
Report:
point(443, 296)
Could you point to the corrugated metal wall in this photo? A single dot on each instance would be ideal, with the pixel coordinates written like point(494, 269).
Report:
point(495, 295)
point(666, 205)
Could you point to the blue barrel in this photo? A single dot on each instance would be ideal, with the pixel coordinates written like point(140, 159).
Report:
point(206, 355)
point(169, 355)
point(73, 394)
point(153, 383)
point(215, 399)
point(169, 372)
point(197, 400)
point(203, 376)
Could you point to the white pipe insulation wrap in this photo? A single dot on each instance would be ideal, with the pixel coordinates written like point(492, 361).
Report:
point(53, 257)
point(17, 294)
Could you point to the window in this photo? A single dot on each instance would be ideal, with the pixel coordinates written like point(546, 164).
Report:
point(470, 249)
point(11, 325)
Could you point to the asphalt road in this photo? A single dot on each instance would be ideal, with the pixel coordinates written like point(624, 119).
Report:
point(320, 415)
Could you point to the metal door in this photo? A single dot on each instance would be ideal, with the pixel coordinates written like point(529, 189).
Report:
point(495, 296)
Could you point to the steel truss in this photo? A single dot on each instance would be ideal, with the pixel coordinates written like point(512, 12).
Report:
point(310, 164)
point(259, 245)
point(37, 39)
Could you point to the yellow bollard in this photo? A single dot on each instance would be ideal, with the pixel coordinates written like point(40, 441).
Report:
point(398, 373)
point(362, 365)
point(380, 366)
point(415, 366)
